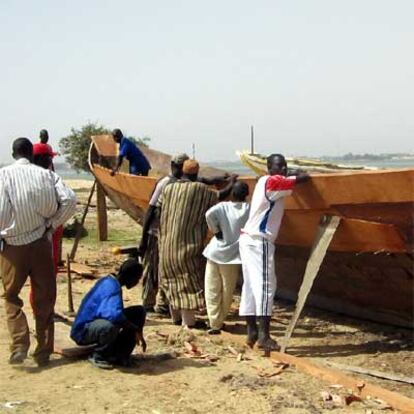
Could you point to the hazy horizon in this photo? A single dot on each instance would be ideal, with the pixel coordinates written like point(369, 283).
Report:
point(315, 78)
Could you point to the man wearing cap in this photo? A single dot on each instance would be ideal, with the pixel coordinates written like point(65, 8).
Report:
point(42, 152)
point(33, 203)
point(148, 248)
point(138, 163)
point(183, 230)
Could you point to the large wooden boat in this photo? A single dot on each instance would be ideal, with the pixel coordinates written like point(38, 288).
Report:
point(368, 271)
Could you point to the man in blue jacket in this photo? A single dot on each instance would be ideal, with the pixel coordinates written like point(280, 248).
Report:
point(103, 320)
point(138, 163)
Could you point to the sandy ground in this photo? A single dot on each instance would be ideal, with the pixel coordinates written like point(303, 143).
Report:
point(217, 382)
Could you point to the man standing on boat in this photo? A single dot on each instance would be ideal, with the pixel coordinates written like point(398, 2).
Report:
point(257, 249)
point(138, 163)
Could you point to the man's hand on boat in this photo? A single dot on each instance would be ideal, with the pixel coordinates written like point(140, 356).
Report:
point(114, 171)
point(302, 177)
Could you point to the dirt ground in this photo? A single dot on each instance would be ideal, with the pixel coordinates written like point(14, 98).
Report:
point(211, 375)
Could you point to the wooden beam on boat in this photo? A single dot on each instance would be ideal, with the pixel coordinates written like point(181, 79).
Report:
point(326, 231)
point(101, 215)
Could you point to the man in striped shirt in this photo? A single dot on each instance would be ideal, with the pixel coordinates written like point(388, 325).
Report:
point(257, 249)
point(33, 203)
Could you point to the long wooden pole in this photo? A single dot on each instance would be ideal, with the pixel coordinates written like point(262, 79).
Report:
point(81, 223)
point(71, 309)
point(101, 214)
point(251, 139)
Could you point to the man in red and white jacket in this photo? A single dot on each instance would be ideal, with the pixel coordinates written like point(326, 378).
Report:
point(257, 249)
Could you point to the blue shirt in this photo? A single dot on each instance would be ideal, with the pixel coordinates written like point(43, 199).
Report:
point(137, 161)
point(103, 301)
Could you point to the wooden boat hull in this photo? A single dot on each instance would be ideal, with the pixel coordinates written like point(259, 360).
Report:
point(368, 271)
point(298, 227)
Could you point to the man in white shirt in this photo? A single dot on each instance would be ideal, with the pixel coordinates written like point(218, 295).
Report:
point(257, 249)
point(225, 220)
point(33, 203)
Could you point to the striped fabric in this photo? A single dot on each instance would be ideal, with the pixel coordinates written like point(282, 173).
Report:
point(150, 273)
point(32, 199)
point(183, 231)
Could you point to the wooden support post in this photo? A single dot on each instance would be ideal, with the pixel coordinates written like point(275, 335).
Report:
point(101, 214)
point(71, 309)
point(81, 223)
point(326, 231)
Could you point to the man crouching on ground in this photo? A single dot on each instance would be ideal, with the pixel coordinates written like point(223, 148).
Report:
point(103, 320)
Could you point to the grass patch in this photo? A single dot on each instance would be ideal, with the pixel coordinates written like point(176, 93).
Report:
point(116, 237)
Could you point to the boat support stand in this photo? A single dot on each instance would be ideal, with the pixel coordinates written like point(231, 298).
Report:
point(326, 231)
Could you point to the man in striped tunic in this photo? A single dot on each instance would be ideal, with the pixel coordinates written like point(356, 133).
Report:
point(183, 231)
point(33, 203)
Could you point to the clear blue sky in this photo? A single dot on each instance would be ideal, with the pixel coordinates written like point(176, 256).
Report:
point(313, 76)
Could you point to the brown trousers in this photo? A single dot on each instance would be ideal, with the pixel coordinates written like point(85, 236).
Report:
point(17, 263)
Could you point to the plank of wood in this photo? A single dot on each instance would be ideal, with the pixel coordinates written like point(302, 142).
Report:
point(372, 372)
point(333, 376)
point(71, 309)
point(326, 231)
point(102, 217)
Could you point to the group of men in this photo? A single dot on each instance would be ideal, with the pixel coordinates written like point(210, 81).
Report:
point(181, 274)
point(182, 209)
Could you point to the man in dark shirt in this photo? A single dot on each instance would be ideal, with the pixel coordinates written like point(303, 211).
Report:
point(103, 320)
point(138, 163)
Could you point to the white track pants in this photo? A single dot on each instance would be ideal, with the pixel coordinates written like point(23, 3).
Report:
point(259, 278)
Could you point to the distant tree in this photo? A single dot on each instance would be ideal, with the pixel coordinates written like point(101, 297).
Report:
point(75, 147)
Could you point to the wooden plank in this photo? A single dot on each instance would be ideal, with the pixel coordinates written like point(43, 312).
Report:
point(372, 373)
point(332, 376)
point(397, 401)
point(102, 218)
point(71, 309)
point(326, 231)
